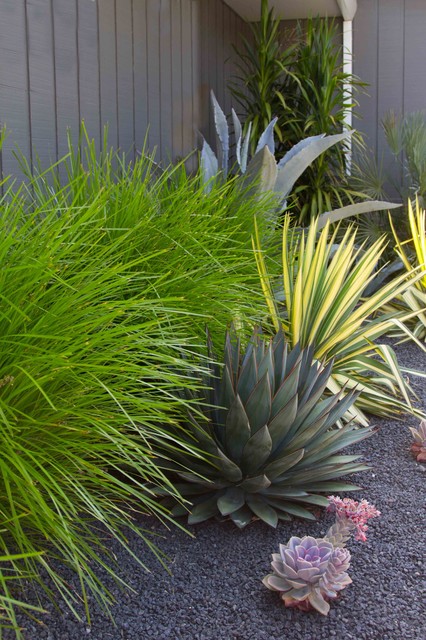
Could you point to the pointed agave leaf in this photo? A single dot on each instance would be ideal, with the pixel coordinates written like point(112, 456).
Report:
point(203, 511)
point(287, 390)
point(237, 430)
point(195, 479)
point(238, 136)
point(326, 487)
point(297, 160)
point(232, 500)
point(230, 470)
point(267, 138)
point(354, 210)
point(318, 501)
point(186, 489)
point(245, 149)
point(209, 166)
point(253, 485)
point(232, 355)
point(222, 131)
point(297, 148)
point(258, 405)
point(267, 365)
point(263, 510)
point(297, 510)
point(283, 421)
point(242, 517)
point(262, 171)
point(179, 510)
point(248, 378)
point(257, 451)
point(278, 467)
point(227, 392)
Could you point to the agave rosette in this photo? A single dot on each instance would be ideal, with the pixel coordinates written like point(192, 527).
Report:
point(267, 427)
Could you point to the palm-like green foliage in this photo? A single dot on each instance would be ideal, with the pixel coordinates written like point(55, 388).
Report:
point(268, 432)
point(105, 283)
point(318, 300)
point(262, 67)
point(305, 87)
point(316, 101)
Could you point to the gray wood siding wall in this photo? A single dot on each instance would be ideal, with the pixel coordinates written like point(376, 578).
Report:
point(389, 54)
point(137, 65)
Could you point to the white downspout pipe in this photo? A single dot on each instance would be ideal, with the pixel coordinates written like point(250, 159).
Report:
point(348, 9)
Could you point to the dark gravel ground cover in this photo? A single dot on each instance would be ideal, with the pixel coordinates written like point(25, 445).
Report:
point(215, 590)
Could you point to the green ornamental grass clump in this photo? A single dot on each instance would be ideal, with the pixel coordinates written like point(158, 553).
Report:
point(106, 280)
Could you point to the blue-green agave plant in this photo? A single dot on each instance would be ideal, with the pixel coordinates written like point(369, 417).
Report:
point(268, 430)
point(262, 173)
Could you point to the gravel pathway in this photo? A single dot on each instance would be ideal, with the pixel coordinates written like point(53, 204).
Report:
point(215, 591)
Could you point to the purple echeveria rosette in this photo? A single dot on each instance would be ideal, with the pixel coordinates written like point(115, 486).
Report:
point(308, 572)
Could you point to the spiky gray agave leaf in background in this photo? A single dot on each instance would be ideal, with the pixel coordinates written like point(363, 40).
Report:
point(262, 173)
point(267, 428)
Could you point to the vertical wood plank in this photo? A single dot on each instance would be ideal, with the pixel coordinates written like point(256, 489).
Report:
point(187, 103)
point(125, 76)
point(42, 81)
point(227, 57)
point(390, 76)
point(88, 67)
point(211, 60)
point(204, 56)
point(220, 56)
point(140, 72)
point(153, 40)
point(66, 71)
point(108, 69)
point(415, 56)
point(14, 89)
point(176, 79)
point(193, 142)
point(196, 81)
point(365, 66)
point(166, 134)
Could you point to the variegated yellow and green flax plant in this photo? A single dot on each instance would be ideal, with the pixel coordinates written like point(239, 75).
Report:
point(412, 301)
point(317, 299)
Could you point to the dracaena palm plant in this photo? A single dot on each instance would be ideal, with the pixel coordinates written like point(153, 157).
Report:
point(268, 431)
point(303, 86)
point(316, 296)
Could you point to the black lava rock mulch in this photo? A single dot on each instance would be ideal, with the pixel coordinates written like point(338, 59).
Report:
point(215, 590)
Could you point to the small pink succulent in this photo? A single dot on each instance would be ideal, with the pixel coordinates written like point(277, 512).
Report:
point(356, 513)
